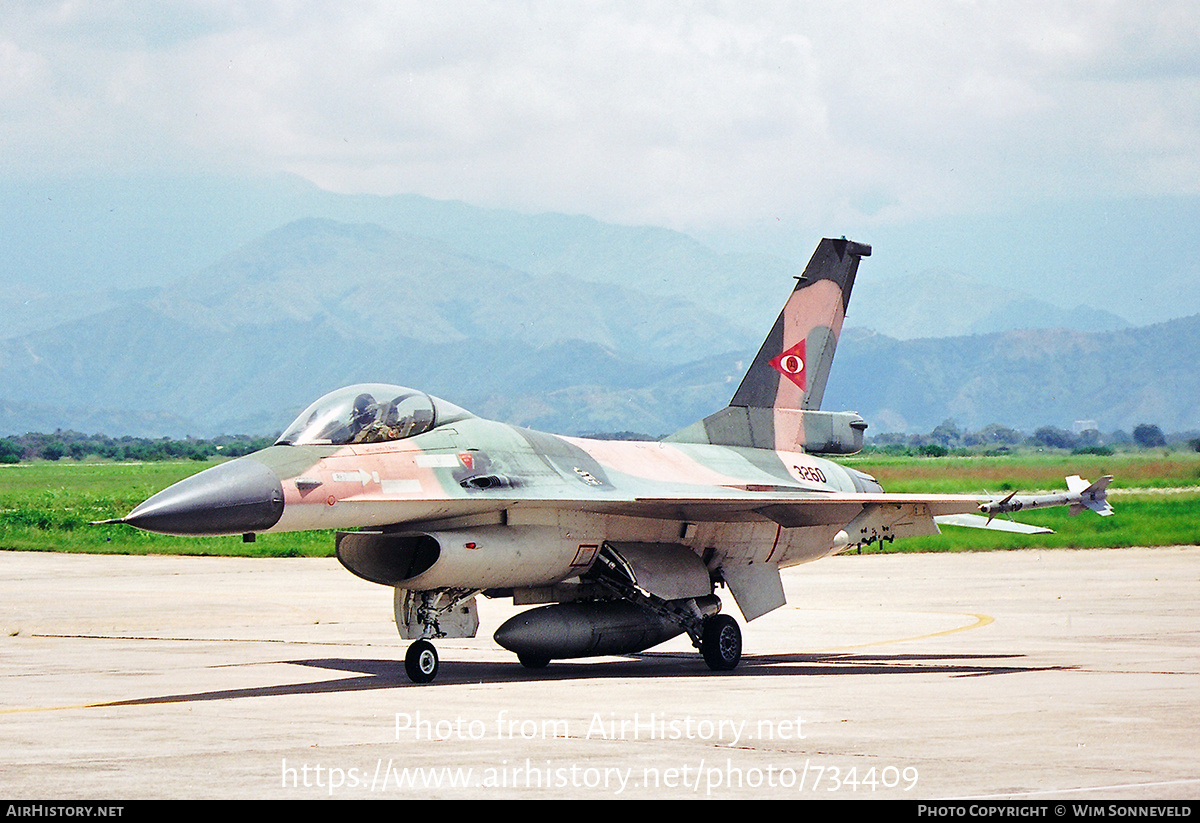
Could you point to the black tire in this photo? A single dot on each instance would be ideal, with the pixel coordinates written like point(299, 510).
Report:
point(534, 661)
point(421, 662)
point(721, 643)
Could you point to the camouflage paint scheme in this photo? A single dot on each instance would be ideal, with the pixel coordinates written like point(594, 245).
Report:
point(448, 505)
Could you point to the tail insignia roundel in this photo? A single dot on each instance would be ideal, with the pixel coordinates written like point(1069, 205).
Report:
point(791, 364)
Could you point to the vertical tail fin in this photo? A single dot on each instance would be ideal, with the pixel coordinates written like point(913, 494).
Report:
point(792, 366)
point(782, 390)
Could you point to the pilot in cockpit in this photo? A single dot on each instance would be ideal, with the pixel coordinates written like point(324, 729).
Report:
point(383, 424)
point(362, 416)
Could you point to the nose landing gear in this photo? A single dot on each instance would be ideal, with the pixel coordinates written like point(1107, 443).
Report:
point(421, 662)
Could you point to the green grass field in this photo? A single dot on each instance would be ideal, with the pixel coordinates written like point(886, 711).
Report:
point(1156, 496)
point(47, 506)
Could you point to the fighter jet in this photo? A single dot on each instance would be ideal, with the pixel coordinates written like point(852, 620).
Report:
point(618, 545)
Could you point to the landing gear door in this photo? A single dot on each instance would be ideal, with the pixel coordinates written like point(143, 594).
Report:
point(667, 570)
point(460, 621)
point(757, 589)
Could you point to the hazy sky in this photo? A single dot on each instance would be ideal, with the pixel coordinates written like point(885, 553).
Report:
point(707, 117)
point(671, 113)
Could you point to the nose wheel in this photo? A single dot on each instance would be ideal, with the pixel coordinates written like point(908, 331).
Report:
point(421, 662)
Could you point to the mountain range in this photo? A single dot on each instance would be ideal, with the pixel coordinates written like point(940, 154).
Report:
point(556, 322)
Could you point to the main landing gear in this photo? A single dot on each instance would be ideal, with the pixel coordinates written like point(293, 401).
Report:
point(631, 620)
point(717, 636)
point(721, 643)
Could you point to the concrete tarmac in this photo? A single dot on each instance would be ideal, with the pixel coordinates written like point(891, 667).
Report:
point(1033, 675)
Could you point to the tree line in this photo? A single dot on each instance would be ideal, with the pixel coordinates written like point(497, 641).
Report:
point(74, 445)
point(949, 438)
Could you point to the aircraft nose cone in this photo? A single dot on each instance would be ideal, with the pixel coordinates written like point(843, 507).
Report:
point(232, 498)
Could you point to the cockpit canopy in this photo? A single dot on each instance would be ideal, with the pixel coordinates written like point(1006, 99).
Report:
point(369, 413)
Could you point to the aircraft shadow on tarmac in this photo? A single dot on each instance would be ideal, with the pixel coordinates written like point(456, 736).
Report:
point(375, 674)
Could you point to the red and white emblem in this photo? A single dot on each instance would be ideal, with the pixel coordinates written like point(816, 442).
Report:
point(468, 460)
point(791, 364)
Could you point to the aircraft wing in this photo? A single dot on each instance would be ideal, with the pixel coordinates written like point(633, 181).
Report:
point(789, 510)
point(797, 508)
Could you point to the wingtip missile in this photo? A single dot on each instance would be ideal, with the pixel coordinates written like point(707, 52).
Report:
point(1079, 495)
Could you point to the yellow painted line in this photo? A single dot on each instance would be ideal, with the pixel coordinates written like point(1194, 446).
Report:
point(57, 708)
point(981, 620)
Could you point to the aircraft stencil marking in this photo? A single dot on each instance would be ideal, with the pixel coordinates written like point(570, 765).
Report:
point(587, 477)
point(619, 545)
point(400, 487)
point(443, 461)
point(361, 476)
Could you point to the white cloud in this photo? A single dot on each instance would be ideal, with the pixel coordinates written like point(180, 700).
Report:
point(679, 114)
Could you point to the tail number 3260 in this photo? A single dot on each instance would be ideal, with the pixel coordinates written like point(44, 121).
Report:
point(809, 473)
